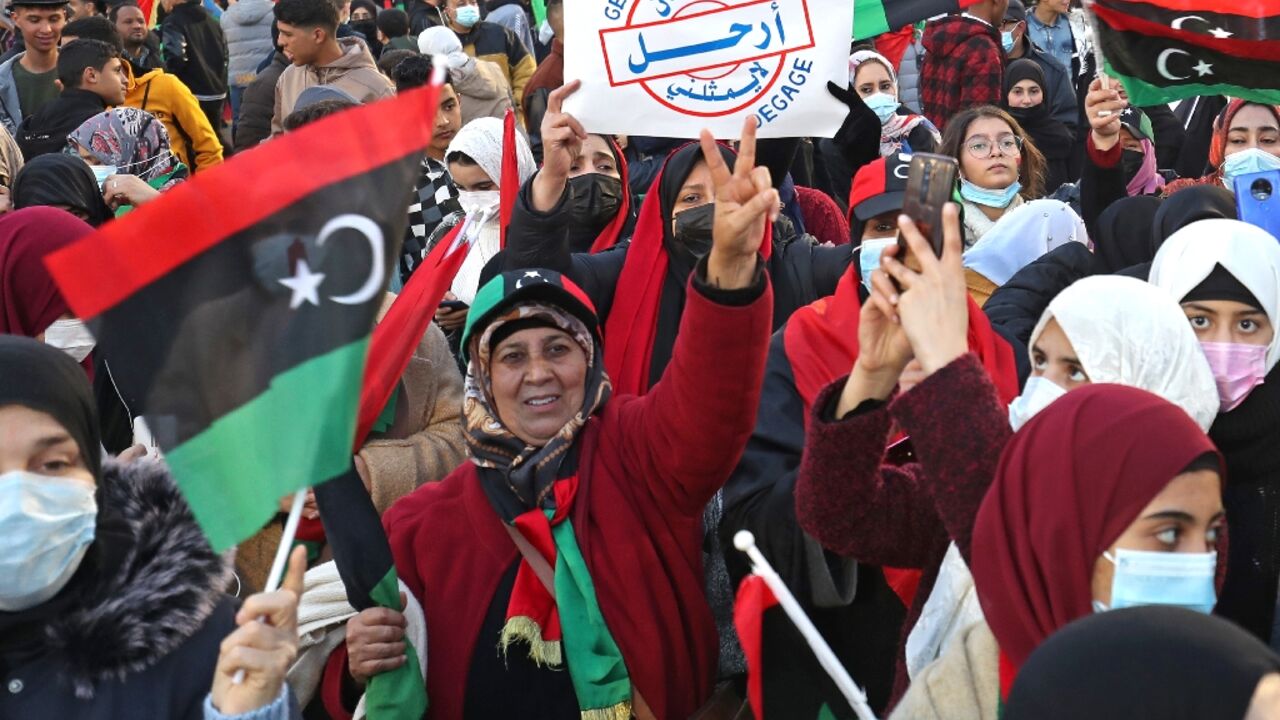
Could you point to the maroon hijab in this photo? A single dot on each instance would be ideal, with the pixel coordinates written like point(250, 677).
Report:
point(29, 299)
point(1068, 485)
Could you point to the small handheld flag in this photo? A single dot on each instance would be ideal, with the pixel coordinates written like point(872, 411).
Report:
point(777, 589)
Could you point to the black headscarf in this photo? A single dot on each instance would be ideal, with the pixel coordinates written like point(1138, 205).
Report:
point(60, 180)
point(1198, 202)
point(1050, 136)
point(674, 176)
point(1123, 234)
point(1157, 662)
point(40, 377)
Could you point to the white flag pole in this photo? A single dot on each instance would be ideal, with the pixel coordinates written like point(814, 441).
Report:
point(746, 542)
point(282, 555)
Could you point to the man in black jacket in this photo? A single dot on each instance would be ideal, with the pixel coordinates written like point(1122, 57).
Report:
point(92, 79)
point(194, 49)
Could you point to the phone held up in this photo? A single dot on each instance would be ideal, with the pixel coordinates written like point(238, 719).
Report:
point(1257, 201)
point(931, 180)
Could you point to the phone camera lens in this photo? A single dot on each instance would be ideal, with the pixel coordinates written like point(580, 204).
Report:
point(1261, 189)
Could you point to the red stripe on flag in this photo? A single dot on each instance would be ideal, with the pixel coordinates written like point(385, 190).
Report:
point(1266, 50)
point(510, 186)
point(754, 597)
point(1247, 8)
point(398, 334)
point(128, 254)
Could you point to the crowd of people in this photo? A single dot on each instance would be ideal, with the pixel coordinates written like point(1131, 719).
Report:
point(1021, 465)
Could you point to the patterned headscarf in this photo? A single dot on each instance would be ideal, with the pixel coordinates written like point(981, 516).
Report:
point(132, 140)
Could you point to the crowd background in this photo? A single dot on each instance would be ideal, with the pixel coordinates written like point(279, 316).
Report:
point(1032, 475)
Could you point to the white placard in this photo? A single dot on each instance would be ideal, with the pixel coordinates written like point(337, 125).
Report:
point(669, 68)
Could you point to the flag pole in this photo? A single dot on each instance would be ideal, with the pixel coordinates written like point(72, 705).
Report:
point(746, 542)
point(1097, 45)
point(282, 555)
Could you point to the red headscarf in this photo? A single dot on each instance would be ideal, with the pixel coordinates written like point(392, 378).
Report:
point(1068, 485)
point(29, 299)
point(1218, 145)
point(633, 320)
point(821, 342)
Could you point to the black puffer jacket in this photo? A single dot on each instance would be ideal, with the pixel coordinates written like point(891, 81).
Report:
point(258, 104)
point(194, 49)
point(136, 633)
point(1016, 307)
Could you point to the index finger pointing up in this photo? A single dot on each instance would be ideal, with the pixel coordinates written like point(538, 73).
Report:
point(555, 101)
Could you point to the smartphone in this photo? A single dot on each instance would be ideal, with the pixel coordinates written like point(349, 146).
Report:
point(1257, 202)
point(931, 180)
point(453, 305)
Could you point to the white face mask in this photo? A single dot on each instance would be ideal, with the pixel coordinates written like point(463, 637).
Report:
point(46, 527)
point(473, 203)
point(71, 337)
point(1036, 396)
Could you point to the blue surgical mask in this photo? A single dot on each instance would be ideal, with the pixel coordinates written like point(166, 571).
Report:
point(883, 105)
point(1006, 40)
point(46, 526)
point(1038, 393)
point(1163, 578)
point(467, 15)
point(1247, 162)
point(990, 198)
point(869, 257)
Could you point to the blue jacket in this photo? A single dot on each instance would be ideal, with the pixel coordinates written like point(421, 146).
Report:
point(247, 27)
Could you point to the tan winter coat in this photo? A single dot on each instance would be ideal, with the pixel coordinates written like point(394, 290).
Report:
point(963, 684)
point(483, 90)
point(424, 444)
point(354, 72)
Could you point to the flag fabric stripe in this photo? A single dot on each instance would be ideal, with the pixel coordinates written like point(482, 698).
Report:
point(396, 693)
point(222, 472)
point(876, 17)
point(753, 599)
point(1262, 50)
point(1247, 8)
point(122, 259)
point(869, 19)
point(1203, 21)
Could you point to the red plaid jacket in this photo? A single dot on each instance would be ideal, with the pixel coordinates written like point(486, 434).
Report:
point(963, 67)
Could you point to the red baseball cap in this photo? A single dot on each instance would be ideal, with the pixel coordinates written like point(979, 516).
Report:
point(879, 187)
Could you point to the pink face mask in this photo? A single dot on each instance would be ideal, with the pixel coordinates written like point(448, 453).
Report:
point(1237, 368)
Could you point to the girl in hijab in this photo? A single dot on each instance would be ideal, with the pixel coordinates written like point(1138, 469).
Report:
point(639, 287)
point(1246, 139)
point(474, 158)
point(1109, 498)
point(1163, 662)
point(1099, 330)
point(1024, 100)
point(1017, 240)
point(872, 77)
point(63, 182)
point(999, 167)
point(112, 602)
point(1226, 275)
point(131, 147)
point(608, 492)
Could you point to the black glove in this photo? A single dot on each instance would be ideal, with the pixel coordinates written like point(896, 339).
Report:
point(858, 138)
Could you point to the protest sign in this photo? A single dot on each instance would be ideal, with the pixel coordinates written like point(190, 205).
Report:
point(670, 67)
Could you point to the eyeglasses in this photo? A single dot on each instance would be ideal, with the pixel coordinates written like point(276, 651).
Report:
point(980, 148)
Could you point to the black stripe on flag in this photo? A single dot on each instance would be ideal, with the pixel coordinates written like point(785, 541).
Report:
point(900, 13)
point(1169, 63)
point(1216, 23)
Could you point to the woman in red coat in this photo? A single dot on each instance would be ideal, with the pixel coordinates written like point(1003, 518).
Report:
point(572, 540)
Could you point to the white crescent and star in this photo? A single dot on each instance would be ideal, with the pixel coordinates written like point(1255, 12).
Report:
point(1202, 68)
point(1220, 33)
point(305, 284)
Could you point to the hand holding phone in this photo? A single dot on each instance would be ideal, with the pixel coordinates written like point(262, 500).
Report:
point(931, 181)
point(453, 305)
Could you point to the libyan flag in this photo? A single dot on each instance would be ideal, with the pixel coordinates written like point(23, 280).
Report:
point(781, 685)
point(1164, 50)
point(876, 17)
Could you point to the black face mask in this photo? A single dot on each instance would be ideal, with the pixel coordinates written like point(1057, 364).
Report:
point(595, 203)
point(367, 28)
point(1131, 162)
point(693, 231)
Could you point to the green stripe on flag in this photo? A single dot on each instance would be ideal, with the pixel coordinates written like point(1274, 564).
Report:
point(397, 693)
point(869, 19)
point(322, 394)
point(1142, 93)
point(539, 14)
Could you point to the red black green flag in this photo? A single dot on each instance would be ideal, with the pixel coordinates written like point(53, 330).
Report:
point(1164, 50)
point(876, 17)
point(781, 684)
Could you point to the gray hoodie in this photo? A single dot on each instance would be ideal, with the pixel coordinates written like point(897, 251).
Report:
point(10, 108)
point(247, 27)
